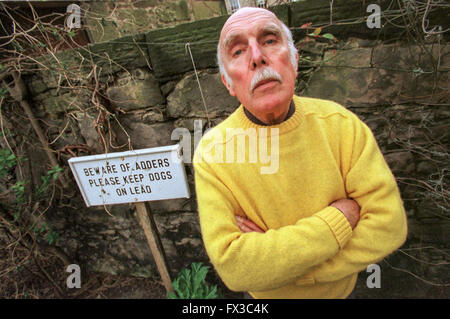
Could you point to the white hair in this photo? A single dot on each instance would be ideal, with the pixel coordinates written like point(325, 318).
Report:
point(292, 54)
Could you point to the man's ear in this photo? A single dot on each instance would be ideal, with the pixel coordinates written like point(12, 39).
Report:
point(229, 88)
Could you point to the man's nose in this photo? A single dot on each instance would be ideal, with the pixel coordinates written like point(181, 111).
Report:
point(258, 57)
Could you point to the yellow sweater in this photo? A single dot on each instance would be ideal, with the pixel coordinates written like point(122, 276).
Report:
point(308, 249)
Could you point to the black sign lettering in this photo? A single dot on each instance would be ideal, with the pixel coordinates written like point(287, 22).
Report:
point(137, 190)
point(121, 191)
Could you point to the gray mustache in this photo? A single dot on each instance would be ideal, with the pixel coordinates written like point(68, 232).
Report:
point(264, 74)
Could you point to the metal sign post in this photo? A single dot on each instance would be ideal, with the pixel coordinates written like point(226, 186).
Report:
point(134, 177)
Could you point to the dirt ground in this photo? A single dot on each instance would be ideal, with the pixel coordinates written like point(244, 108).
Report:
point(26, 273)
point(40, 274)
point(31, 281)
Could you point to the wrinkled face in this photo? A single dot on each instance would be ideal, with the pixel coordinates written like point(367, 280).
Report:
point(256, 56)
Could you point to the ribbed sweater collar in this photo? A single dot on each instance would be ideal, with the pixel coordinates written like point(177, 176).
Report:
point(291, 123)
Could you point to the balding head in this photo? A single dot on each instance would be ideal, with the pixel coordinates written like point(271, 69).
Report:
point(249, 15)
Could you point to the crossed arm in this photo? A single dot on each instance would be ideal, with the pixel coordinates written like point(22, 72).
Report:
point(375, 213)
point(348, 207)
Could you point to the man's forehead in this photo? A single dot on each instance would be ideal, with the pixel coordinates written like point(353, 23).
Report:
point(231, 36)
point(245, 19)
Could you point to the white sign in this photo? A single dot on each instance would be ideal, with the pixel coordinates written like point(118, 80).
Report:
point(129, 177)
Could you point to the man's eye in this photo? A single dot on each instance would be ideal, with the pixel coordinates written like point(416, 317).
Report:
point(237, 52)
point(270, 41)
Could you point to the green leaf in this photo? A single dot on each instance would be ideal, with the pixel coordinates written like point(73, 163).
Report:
point(328, 36)
point(52, 237)
point(172, 295)
point(191, 284)
point(175, 284)
point(212, 294)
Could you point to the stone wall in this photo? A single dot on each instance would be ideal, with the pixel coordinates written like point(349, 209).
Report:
point(107, 20)
point(135, 90)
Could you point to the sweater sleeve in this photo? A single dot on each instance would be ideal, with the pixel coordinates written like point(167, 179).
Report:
point(382, 227)
point(255, 261)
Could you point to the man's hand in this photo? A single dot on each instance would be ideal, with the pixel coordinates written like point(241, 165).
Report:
point(349, 208)
point(246, 225)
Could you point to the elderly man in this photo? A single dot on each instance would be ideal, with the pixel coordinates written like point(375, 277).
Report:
point(331, 208)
